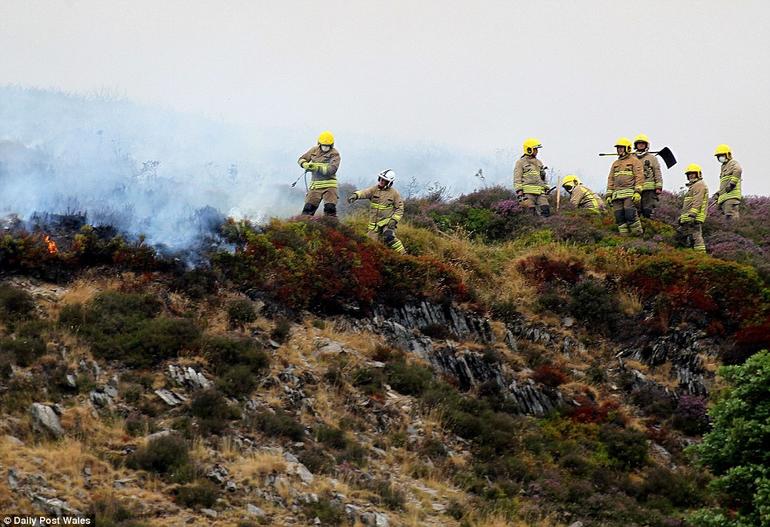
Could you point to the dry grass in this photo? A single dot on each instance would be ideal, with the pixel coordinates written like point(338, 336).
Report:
point(630, 302)
point(256, 466)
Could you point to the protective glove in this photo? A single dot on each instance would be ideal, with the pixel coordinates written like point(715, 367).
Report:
point(658, 191)
point(392, 224)
point(352, 198)
point(637, 198)
point(306, 165)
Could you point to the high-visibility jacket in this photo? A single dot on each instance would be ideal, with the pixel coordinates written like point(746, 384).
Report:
point(583, 197)
point(529, 176)
point(384, 205)
point(320, 180)
point(652, 177)
point(626, 178)
point(730, 172)
point(696, 203)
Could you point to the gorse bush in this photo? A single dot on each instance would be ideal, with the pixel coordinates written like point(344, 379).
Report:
point(126, 327)
point(166, 455)
point(278, 424)
point(197, 495)
point(240, 312)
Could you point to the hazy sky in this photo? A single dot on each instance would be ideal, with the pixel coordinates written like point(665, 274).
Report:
point(479, 76)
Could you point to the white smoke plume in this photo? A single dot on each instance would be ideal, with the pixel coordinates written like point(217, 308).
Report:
point(153, 172)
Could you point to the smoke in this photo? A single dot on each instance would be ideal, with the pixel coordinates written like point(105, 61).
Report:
point(164, 175)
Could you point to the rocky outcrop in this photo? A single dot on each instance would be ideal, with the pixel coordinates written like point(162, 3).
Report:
point(683, 349)
point(45, 420)
point(458, 323)
point(542, 334)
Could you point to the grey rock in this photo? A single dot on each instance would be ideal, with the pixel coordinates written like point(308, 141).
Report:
point(218, 474)
point(156, 435)
point(291, 458)
point(303, 473)
point(324, 347)
point(100, 399)
point(188, 377)
point(576, 524)
point(45, 420)
point(568, 322)
point(274, 344)
point(255, 511)
point(169, 398)
point(121, 483)
point(15, 441)
point(230, 486)
point(211, 513)
point(54, 506)
point(72, 381)
point(13, 479)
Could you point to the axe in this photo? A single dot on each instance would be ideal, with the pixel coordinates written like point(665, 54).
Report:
point(665, 153)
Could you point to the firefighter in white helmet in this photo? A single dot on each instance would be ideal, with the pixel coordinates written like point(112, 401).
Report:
point(386, 208)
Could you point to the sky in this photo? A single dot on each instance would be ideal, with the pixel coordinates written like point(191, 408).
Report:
point(476, 78)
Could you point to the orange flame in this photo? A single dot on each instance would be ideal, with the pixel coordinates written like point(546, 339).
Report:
point(52, 248)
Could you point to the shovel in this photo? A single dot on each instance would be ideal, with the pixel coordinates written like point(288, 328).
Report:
point(665, 153)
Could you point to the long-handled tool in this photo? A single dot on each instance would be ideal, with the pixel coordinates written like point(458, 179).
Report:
point(665, 154)
point(300, 177)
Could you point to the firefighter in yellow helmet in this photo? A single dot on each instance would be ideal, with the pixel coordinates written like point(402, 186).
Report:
point(581, 196)
point(529, 179)
point(624, 187)
point(694, 208)
point(653, 180)
point(323, 161)
point(386, 208)
point(729, 195)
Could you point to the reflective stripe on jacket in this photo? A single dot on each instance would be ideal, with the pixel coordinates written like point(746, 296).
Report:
point(529, 176)
point(626, 177)
point(696, 201)
point(385, 205)
point(652, 176)
point(583, 198)
point(322, 181)
point(731, 172)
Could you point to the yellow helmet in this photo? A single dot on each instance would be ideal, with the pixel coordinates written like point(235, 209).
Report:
point(531, 144)
point(723, 150)
point(571, 181)
point(693, 168)
point(641, 138)
point(326, 138)
point(624, 142)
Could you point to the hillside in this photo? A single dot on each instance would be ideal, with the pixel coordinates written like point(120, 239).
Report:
point(511, 370)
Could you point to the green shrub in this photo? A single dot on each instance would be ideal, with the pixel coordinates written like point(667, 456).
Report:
point(202, 494)
point(387, 494)
point(626, 448)
point(282, 330)
point(316, 461)
point(592, 302)
point(211, 410)
point(240, 312)
point(331, 437)
point(279, 424)
point(167, 455)
point(408, 379)
point(329, 512)
point(369, 380)
point(735, 450)
point(107, 511)
point(197, 283)
point(138, 425)
point(21, 351)
point(124, 327)
point(15, 304)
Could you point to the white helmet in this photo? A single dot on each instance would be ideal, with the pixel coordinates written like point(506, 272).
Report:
point(388, 176)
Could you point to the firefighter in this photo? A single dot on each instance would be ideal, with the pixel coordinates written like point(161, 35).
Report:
point(694, 208)
point(385, 210)
point(624, 187)
point(653, 180)
point(323, 161)
point(529, 179)
point(729, 195)
point(581, 196)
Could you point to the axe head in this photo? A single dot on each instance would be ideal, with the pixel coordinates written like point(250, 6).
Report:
point(667, 156)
